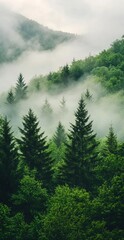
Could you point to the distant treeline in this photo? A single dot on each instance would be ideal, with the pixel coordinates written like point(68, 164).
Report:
point(108, 67)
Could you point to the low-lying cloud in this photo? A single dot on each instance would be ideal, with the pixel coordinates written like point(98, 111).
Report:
point(103, 109)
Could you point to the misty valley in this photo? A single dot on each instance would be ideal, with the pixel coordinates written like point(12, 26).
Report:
point(62, 144)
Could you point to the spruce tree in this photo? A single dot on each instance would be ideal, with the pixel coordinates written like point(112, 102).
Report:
point(10, 97)
point(111, 142)
point(21, 88)
point(34, 149)
point(60, 135)
point(88, 95)
point(81, 154)
point(46, 109)
point(9, 160)
point(63, 104)
point(65, 74)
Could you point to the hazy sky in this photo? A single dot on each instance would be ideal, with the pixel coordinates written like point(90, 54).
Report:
point(79, 16)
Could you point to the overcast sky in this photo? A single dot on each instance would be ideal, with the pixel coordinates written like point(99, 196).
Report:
point(78, 16)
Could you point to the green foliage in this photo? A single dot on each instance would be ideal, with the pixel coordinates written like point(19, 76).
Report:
point(21, 88)
point(67, 214)
point(90, 207)
point(108, 66)
point(111, 145)
point(30, 198)
point(9, 175)
point(60, 135)
point(10, 97)
point(34, 149)
point(64, 76)
point(81, 155)
point(109, 203)
point(76, 70)
point(58, 154)
point(11, 227)
point(109, 167)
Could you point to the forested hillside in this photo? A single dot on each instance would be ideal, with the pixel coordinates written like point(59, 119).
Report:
point(108, 67)
point(67, 185)
point(20, 34)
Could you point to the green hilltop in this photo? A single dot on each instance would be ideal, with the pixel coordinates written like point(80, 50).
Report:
point(107, 67)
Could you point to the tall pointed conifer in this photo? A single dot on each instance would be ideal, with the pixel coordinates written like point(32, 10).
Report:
point(111, 142)
point(9, 177)
point(81, 154)
point(60, 135)
point(21, 88)
point(34, 149)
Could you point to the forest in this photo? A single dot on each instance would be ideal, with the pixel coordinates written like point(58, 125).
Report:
point(68, 185)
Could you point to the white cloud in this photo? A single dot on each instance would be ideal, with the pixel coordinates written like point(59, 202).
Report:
point(100, 21)
point(74, 15)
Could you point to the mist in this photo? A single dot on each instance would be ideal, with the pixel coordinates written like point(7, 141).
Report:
point(34, 63)
point(97, 24)
point(104, 109)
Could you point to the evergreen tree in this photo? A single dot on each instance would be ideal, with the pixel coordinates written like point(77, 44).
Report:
point(111, 145)
point(88, 95)
point(81, 154)
point(30, 198)
point(34, 149)
point(46, 109)
point(63, 104)
point(10, 97)
point(38, 86)
point(8, 163)
point(65, 74)
point(60, 135)
point(21, 88)
point(111, 142)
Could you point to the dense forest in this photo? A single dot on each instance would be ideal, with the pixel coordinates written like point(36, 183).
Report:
point(69, 185)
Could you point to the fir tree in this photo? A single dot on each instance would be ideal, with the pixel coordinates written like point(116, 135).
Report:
point(81, 154)
point(65, 74)
point(34, 149)
point(9, 177)
point(63, 104)
point(21, 88)
point(10, 97)
point(46, 109)
point(111, 142)
point(60, 135)
point(88, 95)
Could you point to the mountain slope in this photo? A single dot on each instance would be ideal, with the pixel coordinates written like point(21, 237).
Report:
point(107, 67)
point(19, 34)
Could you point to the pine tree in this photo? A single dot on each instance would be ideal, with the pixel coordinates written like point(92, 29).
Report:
point(88, 95)
point(21, 88)
point(111, 142)
point(60, 135)
point(63, 104)
point(81, 154)
point(34, 149)
point(10, 97)
point(46, 109)
point(9, 160)
point(65, 74)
